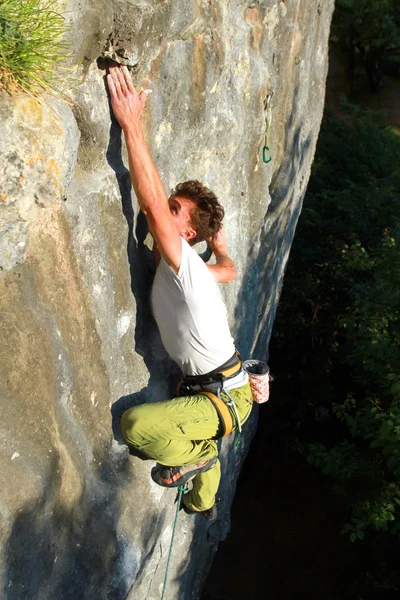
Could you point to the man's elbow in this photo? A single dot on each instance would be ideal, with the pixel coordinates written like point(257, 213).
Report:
point(232, 273)
point(228, 275)
point(223, 274)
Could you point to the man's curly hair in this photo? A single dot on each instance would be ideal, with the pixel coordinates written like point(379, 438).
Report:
point(206, 217)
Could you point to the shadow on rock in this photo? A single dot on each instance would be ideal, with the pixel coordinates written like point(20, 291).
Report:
point(118, 409)
point(63, 547)
point(163, 372)
point(141, 261)
point(266, 261)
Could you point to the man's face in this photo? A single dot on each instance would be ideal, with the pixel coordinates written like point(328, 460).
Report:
point(181, 209)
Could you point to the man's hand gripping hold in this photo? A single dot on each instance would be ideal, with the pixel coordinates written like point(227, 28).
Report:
point(224, 269)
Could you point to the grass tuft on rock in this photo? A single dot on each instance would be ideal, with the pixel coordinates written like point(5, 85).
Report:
point(31, 46)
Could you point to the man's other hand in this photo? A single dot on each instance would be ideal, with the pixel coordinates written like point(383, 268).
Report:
point(218, 242)
point(126, 103)
point(224, 269)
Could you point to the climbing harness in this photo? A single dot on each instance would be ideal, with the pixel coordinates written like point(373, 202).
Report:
point(212, 385)
point(225, 416)
point(268, 121)
point(232, 405)
point(181, 490)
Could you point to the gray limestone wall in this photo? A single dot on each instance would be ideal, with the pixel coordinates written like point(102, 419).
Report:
point(79, 516)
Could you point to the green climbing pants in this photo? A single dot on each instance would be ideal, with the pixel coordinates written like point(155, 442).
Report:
point(183, 431)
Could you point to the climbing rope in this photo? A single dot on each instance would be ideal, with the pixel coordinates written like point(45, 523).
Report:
point(181, 490)
point(268, 121)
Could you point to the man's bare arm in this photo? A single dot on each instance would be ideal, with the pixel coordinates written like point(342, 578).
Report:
point(127, 105)
point(224, 270)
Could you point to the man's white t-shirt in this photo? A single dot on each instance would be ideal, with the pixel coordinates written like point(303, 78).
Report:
point(191, 315)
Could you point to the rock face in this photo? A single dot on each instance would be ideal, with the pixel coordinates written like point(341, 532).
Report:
point(80, 517)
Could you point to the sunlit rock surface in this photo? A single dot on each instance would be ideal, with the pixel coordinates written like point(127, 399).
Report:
point(80, 517)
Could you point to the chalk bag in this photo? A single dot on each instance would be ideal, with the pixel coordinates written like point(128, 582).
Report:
point(258, 378)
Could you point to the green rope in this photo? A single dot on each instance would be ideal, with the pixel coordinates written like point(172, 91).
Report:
point(181, 489)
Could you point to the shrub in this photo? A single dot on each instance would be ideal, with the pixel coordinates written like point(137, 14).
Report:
point(31, 45)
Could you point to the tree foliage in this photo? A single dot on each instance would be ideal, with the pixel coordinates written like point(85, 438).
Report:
point(371, 29)
point(338, 323)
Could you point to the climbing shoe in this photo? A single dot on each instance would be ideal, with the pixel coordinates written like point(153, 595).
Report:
point(176, 476)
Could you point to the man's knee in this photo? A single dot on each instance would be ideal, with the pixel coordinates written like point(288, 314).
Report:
point(130, 427)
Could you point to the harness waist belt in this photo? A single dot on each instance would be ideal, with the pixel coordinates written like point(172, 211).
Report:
point(232, 367)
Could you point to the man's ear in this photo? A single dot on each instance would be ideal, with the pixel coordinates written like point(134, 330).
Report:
point(189, 234)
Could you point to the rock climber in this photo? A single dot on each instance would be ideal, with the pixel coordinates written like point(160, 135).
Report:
point(181, 434)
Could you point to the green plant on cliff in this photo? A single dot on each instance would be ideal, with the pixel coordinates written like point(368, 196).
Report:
point(31, 45)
